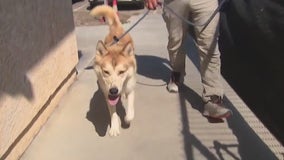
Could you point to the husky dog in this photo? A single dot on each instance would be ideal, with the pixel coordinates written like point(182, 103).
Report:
point(115, 66)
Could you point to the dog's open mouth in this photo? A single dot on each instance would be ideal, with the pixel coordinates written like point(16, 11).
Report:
point(113, 99)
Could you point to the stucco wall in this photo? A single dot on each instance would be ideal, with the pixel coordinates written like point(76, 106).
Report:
point(38, 53)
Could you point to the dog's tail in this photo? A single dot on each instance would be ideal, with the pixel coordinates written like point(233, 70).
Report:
point(108, 12)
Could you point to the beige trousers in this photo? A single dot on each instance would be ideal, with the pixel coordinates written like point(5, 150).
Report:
point(198, 11)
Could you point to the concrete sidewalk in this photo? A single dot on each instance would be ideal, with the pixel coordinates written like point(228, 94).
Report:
point(166, 126)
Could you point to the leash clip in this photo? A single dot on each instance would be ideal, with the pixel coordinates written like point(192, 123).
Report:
point(116, 39)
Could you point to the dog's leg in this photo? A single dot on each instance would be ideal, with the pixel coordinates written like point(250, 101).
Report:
point(114, 126)
point(130, 107)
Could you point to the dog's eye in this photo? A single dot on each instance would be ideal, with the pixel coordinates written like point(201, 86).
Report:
point(121, 72)
point(106, 72)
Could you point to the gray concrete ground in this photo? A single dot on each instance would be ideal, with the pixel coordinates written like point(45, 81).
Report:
point(166, 126)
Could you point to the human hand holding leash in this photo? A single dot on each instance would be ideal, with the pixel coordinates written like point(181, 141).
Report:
point(152, 4)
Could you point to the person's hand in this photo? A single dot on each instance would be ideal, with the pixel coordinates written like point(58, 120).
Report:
point(151, 4)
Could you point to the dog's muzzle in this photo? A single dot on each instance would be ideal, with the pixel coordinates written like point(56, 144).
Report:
point(113, 96)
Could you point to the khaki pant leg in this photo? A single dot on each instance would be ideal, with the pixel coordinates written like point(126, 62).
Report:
point(177, 31)
point(207, 44)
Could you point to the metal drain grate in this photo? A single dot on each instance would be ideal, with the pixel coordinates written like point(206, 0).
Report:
point(255, 124)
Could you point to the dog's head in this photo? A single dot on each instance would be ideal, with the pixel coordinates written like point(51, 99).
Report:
point(114, 66)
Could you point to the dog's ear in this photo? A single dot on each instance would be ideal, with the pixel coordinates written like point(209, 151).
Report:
point(101, 48)
point(128, 50)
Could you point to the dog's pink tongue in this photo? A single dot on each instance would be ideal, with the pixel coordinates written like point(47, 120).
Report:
point(113, 102)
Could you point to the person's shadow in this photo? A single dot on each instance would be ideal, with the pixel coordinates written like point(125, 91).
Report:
point(153, 67)
point(99, 115)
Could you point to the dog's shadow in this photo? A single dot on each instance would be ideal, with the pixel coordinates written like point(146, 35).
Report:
point(99, 115)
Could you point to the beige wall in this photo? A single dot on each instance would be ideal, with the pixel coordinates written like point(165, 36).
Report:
point(38, 53)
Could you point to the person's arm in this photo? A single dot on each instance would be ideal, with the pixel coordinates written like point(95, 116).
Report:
point(151, 4)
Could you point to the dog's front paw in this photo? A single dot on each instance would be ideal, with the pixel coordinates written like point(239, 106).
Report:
point(129, 117)
point(115, 125)
point(114, 131)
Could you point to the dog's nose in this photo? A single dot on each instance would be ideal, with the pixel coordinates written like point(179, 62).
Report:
point(113, 91)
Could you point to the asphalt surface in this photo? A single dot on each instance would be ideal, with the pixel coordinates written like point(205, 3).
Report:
point(82, 18)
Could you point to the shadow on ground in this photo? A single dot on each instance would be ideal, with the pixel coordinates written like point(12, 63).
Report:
point(99, 115)
point(153, 67)
point(249, 145)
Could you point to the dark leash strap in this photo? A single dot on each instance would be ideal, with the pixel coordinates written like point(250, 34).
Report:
point(205, 24)
point(117, 39)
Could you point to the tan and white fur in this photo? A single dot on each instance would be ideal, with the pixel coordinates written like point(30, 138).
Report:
point(115, 66)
